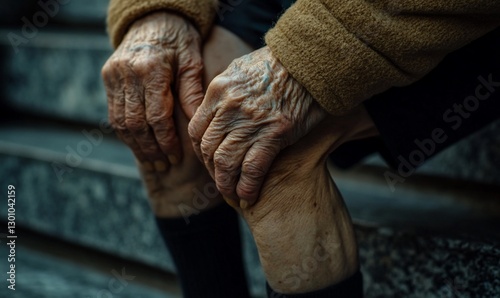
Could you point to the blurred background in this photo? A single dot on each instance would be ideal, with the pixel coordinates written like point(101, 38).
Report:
point(83, 223)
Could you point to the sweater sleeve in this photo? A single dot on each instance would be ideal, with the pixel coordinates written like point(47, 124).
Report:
point(344, 52)
point(122, 13)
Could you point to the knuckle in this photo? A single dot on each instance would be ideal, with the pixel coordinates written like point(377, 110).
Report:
point(118, 122)
point(193, 66)
point(224, 186)
point(136, 125)
point(222, 161)
point(167, 139)
point(159, 122)
point(113, 64)
point(192, 131)
point(247, 189)
point(226, 183)
point(253, 169)
point(217, 83)
point(108, 75)
point(149, 67)
point(105, 72)
point(205, 147)
point(149, 149)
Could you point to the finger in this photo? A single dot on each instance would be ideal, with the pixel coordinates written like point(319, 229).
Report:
point(254, 169)
point(159, 115)
point(137, 125)
point(201, 120)
point(212, 138)
point(190, 81)
point(117, 120)
point(227, 162)
point(112, 87)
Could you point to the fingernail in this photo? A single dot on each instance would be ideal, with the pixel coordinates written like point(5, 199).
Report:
point(243, 204)
point(147, 166)
point(160, 166)
point(232, 202)
point(173, 159)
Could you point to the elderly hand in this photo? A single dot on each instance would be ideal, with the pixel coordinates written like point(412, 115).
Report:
point(158, 59)
point(187, 188)
point(250, 113)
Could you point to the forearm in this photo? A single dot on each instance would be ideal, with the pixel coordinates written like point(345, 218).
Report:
point(358, 48)
point(122, 13)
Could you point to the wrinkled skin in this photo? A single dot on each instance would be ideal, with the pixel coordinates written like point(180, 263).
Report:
point(171, 188)
point(158, 60)
point(250, 113)
point(289, 205)
point(300, 224)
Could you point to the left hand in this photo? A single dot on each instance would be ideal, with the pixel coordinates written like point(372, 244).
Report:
point(251, 111)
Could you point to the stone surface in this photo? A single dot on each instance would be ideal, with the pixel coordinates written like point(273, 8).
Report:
point(57, 75)
point(90, 12)
point(402, 264)
point(43, 276)
point(102, 211)
point(87, 12)
point(475, 158)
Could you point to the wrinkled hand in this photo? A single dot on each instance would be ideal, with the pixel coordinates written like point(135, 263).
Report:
point(158, 59)
point(176, 192)
point(250, 113)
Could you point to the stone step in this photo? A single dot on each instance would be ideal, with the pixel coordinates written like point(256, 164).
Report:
point(57, 75)
point(43, 275)
point(90, 12)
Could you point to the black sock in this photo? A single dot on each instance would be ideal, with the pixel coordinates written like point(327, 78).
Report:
point(207, 253)
point(349, 288)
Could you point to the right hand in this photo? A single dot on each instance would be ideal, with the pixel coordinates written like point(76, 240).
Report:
point(158, 59)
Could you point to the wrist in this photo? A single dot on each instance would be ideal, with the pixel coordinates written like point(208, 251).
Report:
point(161, 27)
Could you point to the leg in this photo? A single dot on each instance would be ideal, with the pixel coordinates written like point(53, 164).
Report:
point(196, 227)
point(300, 224)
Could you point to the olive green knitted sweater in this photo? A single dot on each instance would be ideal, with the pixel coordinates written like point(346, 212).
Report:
point(345, 51)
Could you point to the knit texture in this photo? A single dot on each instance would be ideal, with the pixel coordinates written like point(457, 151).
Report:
point(344, 52)
point(122, 13)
